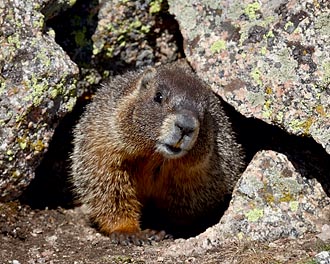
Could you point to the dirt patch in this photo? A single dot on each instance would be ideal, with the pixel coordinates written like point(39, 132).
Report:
point(64, 236)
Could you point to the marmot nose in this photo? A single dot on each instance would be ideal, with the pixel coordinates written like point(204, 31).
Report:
point(187, 123)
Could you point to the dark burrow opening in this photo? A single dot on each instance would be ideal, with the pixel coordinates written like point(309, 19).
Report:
point(51, 187)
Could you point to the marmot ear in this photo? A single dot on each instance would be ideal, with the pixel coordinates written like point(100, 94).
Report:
point(147, 77)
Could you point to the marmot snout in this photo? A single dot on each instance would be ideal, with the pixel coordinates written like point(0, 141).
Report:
point(157, 138)
point(178, 134)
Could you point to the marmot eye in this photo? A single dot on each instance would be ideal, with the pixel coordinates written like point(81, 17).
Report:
point(158, 97)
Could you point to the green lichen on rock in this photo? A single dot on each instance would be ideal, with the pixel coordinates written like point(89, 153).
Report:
point(37, 88)
point(280, 190)
point(322, 25)
point(285, 71)
point(155, 6)
point(286, 197)
point(122, 30)
point(321, 111)
point(326, 73)
point(288, 25)
point(263, 50)
point(287, 203)
point(251, 9)
point(294, 206)
point(267, 109)
point(23, 142)
point(14, 40)
point(279, 45)
point(256, 99)
point(256, 76)
point(70, 104)
point(269, 34)
point(269, 198)
point(301, 126)
point(218, 46)
point(254, 215)
point(245, 28)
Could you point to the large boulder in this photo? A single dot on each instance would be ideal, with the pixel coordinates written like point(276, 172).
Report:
point(269, 59)
point(37, 88)
point(271, 201)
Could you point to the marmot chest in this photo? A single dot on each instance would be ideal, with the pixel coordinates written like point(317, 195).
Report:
point(168, 181)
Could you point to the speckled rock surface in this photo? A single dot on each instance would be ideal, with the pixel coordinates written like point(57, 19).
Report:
point(37, 87)
point(271, 201)
point(323, 257)
point(135, 33)
point(269, 59)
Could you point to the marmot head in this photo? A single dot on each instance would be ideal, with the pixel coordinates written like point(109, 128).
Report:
point(167, 110)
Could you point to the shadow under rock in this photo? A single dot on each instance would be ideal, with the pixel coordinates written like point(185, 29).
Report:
point(74, 29)
point(51, 186)
point(307, 156)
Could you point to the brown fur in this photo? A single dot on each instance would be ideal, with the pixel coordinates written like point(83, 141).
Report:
point(128, 150)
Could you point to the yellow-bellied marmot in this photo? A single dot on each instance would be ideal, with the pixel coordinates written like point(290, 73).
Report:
point(156, 138)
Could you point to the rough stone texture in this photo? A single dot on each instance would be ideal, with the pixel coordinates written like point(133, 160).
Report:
point(37, 87)
point(325, 233)
point(323, 257)
point(135, 33)
point(271, 201)
point(269, 59)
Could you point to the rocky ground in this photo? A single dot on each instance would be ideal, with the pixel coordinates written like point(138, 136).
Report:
point(64, 236)
point(275, 67)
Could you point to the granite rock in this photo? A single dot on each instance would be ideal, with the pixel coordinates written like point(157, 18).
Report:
point(271, 201)
point(269, 59)
point(37, 87)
